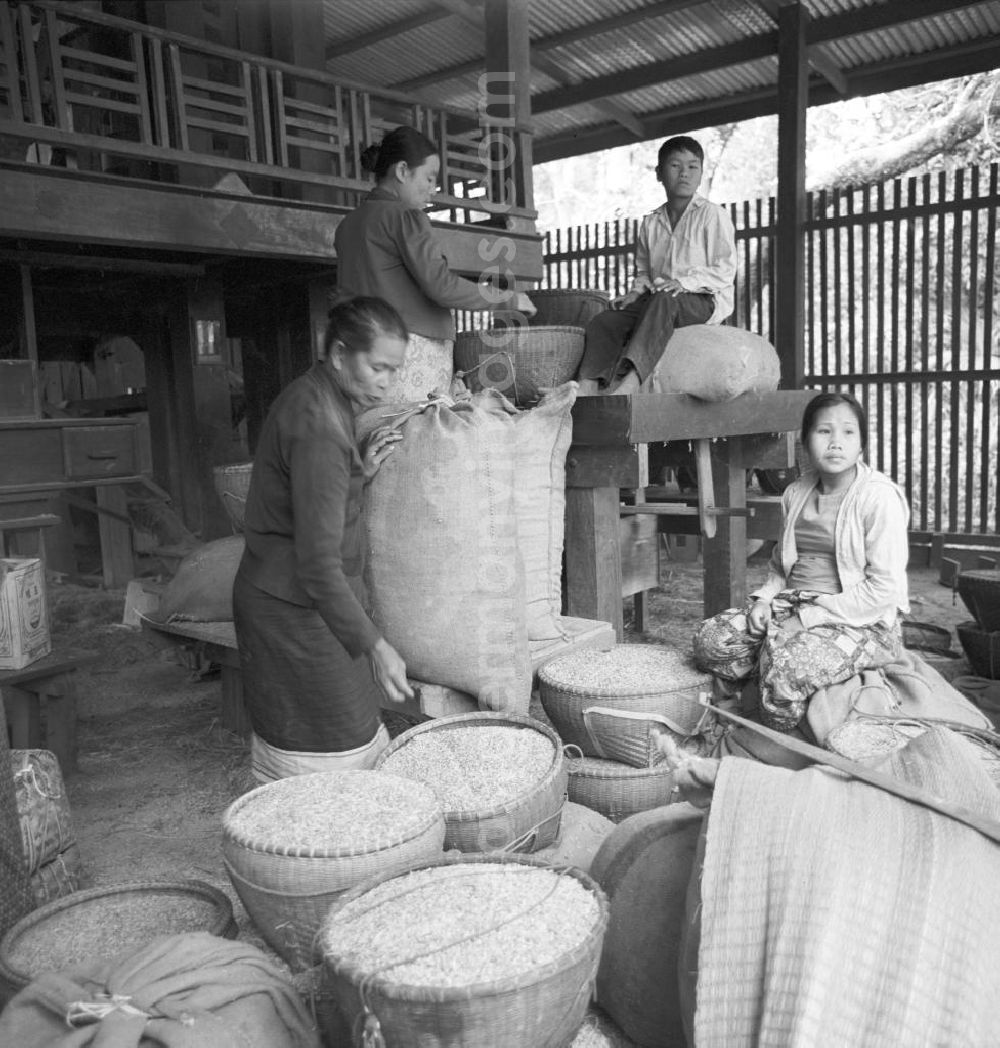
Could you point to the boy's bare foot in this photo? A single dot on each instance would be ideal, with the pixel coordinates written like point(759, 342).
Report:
point(628, 385)
point(588, 387)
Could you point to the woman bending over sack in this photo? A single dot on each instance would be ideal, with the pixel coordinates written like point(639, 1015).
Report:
point(837, 584)
point(386, 247)
point(314, 665)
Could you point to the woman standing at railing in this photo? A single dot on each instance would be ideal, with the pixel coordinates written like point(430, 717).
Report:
point(387, 248)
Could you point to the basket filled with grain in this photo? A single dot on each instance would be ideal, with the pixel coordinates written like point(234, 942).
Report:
point(232, 484)
point(497, 951)
point(574, 307)
point(100, 923)
point(618, 790)
point(292, 847)
point(500, 778)
point(630, 678)
point(520, 362)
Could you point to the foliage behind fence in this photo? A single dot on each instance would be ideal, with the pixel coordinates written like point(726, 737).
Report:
point(902, 294)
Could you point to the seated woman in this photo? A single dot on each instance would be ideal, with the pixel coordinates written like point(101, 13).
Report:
point(836, 588)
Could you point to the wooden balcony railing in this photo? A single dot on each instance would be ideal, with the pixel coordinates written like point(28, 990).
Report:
point(100, 93)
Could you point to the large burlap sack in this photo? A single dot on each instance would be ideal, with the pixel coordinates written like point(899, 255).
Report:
point(715, 362)
point(543, 437)
point(179, 991)
point(202, 588)
point(444, 572)
point(42, 806)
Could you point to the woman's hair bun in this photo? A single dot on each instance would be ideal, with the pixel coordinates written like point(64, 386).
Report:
point(369, 158)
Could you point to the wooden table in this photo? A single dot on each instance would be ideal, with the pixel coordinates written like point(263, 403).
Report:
point(610, 451)
point(47, 687)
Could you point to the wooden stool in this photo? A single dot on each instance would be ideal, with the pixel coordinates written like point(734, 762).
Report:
point(48, 683)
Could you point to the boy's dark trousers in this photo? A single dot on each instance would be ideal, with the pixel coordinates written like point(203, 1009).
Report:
point(650, 321)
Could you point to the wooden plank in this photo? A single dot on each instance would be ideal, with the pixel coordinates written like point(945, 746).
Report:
point(593, 557)
point(725, 553)
point(654, 417)
point(117, 562)
point(597, 467)
point(640, 561)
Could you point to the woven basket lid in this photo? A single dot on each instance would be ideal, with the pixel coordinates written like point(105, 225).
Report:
point(626, 669)
point(331, 814)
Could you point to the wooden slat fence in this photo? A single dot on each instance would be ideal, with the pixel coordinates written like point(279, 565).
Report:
point(902, 289)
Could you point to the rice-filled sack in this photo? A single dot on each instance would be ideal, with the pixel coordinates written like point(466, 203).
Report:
point(179, 991)
point(715, 362)
point(202, 588)
point(444, 572)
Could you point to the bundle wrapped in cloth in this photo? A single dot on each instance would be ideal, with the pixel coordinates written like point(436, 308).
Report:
point(179, 991)
point(826, 911)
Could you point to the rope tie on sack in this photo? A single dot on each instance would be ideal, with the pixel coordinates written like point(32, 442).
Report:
point(84, 1013)
point(367, 1023)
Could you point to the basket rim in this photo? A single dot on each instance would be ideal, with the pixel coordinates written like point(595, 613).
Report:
point(618, 771)
point(626, 692)
point(516, 332)
point(416, 992)
point(202, 889)
point(460, 720)
point(300, 851)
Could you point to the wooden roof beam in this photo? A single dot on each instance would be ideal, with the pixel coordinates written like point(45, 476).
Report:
point(560, 39)
point(817, 59)
point(386, 32)
point(963, 60)
point(618, 113)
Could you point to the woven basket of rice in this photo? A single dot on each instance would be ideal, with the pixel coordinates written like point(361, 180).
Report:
point(982, 649)
point(631, 678)
point(500, 778)
point(496, 951)
point(575, 308)
point(233, 484)
point(520, 362)
point(980, 590)
point(294, 846)
point(100, 923)
point(618, 790)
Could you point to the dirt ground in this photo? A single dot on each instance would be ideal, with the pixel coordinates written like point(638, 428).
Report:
point(156, 769)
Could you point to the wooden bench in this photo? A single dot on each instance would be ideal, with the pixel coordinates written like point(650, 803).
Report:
point(40, 704)
point(216, 641)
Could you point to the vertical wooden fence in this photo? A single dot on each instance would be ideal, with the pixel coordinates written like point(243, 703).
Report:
point(902, 289)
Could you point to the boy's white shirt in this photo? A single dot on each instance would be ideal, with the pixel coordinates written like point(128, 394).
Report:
point(700, 253)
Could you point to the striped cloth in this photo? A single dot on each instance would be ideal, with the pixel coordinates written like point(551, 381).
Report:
point(836, 914)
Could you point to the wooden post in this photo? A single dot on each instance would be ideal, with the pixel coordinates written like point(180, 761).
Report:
point(593, 556)
point(725, 553)
point(505, 98)
point(793, 98)
point(117, 563)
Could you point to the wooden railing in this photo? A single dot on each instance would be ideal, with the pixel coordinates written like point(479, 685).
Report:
point(902, 305)
point(95, 92)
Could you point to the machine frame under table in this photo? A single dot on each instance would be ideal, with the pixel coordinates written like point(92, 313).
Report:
point(610, 452)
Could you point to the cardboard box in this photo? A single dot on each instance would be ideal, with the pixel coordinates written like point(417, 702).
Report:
point(24, 613)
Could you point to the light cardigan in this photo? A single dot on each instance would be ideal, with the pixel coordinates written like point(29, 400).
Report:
point(871, 546)
point(699, 253)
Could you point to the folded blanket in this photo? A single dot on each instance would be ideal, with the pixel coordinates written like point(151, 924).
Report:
point(833, 913)
point(908, 687)
point(179, 991)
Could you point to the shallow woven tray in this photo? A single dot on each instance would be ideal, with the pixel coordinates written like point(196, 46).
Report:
point(527, 823)
point(26, 950)
point(520, 362)
point(675, 699)
point(288, 890)
point(924, 636)
point(981, 648)
point(617, 790)
point(980, 590)
point(544, 1006)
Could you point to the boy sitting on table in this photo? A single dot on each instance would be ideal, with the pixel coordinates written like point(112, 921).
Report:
point(685, 265)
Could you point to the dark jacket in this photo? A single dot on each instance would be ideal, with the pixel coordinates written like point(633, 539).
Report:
point(388, 249)
point(304, 526)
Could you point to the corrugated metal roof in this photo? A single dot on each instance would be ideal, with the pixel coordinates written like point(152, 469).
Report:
point(878, 44)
